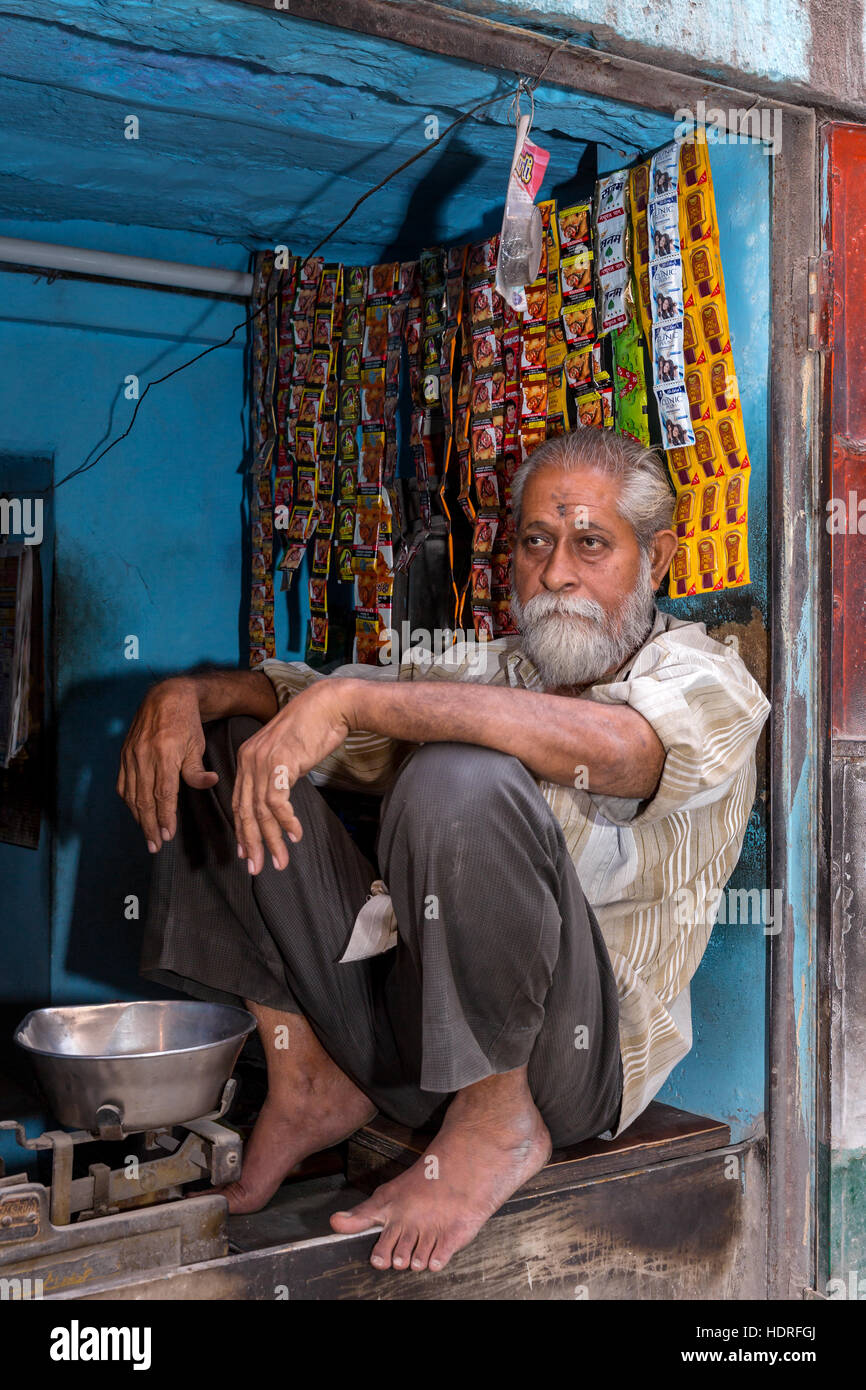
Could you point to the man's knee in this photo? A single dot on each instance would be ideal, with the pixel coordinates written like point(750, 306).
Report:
point(446, 785)
point(453, 772)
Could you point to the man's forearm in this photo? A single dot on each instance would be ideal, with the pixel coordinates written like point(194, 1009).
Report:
point(613, 749)
point(221, 694)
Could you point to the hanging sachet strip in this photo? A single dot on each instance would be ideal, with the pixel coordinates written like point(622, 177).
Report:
point(586, 380)
point(463, 416)
point(507, 464)
point(454, 275)
point(557, 415)
point(349, 417)
point(629, 383)
point(397, 314)
point(486, 431)
point(314, 314)
point(412, 337)
point(399, 280)
point(533, 361)
point(577, 313)
point(638, 191)
point(429, 459)
point(712, 476)
point(259, 434)
point(384, 571)
point(462, 429)
point(423, 334)
point(303, 324)
point(611, 225)
point(370, 567)
point(666, 299)
point(266, 292)
point(577, 304)
point(284, 481)
point(495, 549)
point(326, 464)
point(611, 275)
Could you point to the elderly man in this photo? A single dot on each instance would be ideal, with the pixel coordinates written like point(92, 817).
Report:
point(543, 805)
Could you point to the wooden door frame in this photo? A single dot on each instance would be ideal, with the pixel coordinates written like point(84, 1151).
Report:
point(798, 592)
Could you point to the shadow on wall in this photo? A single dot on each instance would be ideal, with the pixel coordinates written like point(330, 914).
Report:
point(107, 889)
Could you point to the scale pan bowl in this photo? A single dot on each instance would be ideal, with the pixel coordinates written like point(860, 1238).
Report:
point(156, 1063)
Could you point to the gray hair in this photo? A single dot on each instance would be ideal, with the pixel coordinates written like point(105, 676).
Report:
point(645, 499)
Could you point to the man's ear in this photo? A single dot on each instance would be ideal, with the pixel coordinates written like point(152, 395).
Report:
point(662, 551)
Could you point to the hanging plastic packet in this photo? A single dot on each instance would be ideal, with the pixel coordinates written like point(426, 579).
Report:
point(639, 201)
point(521, 237)
point(630, 384)
point(590, 410)
point(574, 229)
point(666, 299)
point(576, 275)
point(612, 253)
point(579, 323)
point(578, 368)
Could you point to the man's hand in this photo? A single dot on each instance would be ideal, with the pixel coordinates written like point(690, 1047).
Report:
point(165, 743)
point(269, 764)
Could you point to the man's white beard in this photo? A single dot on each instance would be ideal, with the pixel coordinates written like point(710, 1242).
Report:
point(574, 641)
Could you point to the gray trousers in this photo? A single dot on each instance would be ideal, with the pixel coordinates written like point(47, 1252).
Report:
point(500, 961)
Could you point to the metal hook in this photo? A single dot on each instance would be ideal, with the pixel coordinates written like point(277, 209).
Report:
point(523, 85)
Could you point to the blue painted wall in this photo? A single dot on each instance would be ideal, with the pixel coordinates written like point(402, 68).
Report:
point(146, 544)
point(149, 541)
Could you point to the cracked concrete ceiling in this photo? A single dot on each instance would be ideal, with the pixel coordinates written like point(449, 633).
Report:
point(256, 127)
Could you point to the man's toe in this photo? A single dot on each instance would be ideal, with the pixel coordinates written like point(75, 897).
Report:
point(361, 1218)
point(403, 1249)
point(423, 1250)
point(442, 1252)
point(384, 1247)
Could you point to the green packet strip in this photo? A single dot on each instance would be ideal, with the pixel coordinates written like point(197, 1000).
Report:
point(629, 383)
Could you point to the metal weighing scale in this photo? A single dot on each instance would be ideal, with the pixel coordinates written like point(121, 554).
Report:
point(114, 1071)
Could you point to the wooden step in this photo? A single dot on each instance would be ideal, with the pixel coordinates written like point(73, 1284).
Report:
point(383, 1149)
point(689, 1228)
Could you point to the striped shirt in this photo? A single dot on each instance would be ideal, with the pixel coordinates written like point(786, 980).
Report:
point(632, 857)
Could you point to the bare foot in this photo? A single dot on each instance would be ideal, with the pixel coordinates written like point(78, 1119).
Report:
point(492, 1141)
point(288, 1131)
